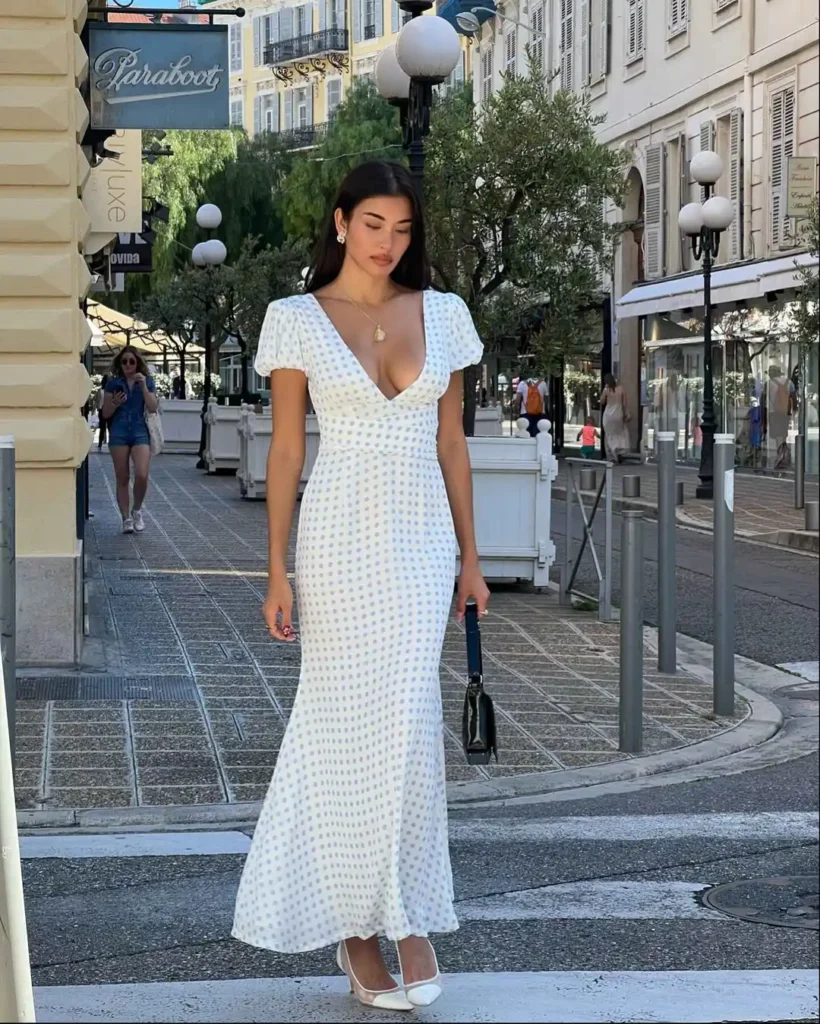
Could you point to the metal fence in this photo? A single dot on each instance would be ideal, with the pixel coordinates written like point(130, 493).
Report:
point(582, 478)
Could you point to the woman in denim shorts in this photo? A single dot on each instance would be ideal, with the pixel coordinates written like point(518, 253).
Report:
point(128, 394)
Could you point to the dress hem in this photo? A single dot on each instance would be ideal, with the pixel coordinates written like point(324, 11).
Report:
point(261, 943)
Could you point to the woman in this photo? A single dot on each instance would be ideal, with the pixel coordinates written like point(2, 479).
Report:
point(129, 393)
point(615, 418)
point(351, 843)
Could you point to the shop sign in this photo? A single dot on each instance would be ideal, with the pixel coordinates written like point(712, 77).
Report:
point(132, 255)
point(113, 193)
point(158, 76)
point(802, 186)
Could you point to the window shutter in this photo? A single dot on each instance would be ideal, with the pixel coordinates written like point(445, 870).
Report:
point(653, 235)
point(537, 47)
point(678, 15)
point(598, 40)
point(341, 14)
point(585, 54)
point(635, 30)
point(567, 42)
point(460, 71)
point(357, 20)
point(379, 18)
point(510, 47)
point(309, 103)
point(735, 232)
point(640, 26)
point(289, 110)
point(257, 115)
point(782, 147)
point(286, 24)
point(707, 141)
point(487, 72)
point(271, 112)
point(395, 16)
point(721, 4)
point(257, 42)
point(683, 193)
point(604, 27)
point(323, 15)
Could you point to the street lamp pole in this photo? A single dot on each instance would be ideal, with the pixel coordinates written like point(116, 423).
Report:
point(207, 255)
point(704, 223)
point(425, 53)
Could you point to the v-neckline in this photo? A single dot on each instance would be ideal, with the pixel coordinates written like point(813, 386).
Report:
point(358, 361)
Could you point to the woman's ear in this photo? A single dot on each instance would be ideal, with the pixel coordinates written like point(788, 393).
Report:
point(339, 220)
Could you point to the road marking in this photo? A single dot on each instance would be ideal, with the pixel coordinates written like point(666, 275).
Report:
point(553, 996)
point(764, 825)
point(134, 844)
point(809, 670)
point(593, 901)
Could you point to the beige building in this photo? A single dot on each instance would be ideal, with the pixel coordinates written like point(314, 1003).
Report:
point(43, 279)
point(671, 78)
point(292, 63)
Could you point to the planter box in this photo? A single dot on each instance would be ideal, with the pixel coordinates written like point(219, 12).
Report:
point(222, 437)
point(254, 441)
point(488, 421)
point(512, 485)
point(181, 425)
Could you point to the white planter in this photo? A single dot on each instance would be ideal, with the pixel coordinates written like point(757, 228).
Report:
point(222, 437)
point(181, 425)
point(254, 441)
point(512, 485)
point(488, 421)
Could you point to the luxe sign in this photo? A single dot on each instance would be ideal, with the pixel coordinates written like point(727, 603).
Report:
point(158, 76)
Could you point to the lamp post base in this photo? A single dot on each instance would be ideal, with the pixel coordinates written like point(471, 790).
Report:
point(705, 490)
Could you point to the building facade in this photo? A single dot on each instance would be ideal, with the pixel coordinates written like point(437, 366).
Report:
point(672, 77)
point(43, 280)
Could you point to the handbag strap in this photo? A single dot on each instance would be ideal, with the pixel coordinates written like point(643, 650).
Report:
point(475, 669)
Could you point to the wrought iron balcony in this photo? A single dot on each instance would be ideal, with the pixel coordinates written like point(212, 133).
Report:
point(305, 137)
point(317, 44)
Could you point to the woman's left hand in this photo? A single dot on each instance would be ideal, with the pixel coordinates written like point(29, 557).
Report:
point(471, 584)
point(139, 378)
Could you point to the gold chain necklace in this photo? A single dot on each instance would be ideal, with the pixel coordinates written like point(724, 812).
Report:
point(379, 334)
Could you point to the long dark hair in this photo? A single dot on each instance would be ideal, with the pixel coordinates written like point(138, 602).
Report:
point(610, 382)
point(374, 178)
point(116, 366)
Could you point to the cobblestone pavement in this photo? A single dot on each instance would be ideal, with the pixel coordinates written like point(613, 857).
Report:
point(764, 504)
point(184, 698)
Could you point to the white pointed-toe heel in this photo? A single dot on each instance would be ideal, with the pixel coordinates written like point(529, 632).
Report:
point(385, 999)
point(422, 993)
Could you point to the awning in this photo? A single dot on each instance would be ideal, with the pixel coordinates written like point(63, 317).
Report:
point(738, 283)
point(118, 329)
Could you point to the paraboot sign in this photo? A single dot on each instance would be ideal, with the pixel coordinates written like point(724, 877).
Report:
point(158, 76)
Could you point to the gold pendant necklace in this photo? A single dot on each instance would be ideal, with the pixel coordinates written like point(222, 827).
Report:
point(379, 334)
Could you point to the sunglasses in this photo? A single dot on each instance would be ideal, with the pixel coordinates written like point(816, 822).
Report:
point(128, 362)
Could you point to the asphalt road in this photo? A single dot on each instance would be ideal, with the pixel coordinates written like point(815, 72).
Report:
point(777, 590)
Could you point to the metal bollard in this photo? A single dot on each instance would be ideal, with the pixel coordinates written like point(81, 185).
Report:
point(589, 480)
point(799, 471)
point(630, 710)
point(679, 495)
point(723, 576)
point(8, 589)
point(667, 611)
point(632, 486)
point(813, 516)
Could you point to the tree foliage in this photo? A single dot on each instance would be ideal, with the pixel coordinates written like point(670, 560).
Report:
point(365, 127)
point(806, 316)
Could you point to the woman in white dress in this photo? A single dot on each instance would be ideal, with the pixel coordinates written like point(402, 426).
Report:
point(614, 419)
point(351, 842)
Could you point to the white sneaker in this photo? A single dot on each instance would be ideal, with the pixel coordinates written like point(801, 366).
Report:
point(139, 522)
point(128, 525)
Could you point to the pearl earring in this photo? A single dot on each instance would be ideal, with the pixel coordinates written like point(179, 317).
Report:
point(340, 238)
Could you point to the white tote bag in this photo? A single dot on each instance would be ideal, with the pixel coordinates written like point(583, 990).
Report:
point(156, 439)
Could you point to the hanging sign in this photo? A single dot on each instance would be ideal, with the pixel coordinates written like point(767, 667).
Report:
point(802, 186)
point(132, 255)
point(113, 193)
point(158, 76)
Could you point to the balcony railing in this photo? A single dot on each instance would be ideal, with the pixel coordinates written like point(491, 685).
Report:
point(332, 40)
point(370, 31)
point(305, 137)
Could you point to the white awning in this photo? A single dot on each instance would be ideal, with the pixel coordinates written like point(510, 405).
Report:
point(742, 282)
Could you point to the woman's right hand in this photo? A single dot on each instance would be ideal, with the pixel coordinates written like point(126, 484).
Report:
point(278, 609)
point(119, 399)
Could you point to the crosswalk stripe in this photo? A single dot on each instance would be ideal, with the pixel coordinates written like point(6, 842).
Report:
point(593, 901)
point(762, 826)
point(566, 996)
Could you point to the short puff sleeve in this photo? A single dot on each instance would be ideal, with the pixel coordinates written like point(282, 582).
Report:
point(280, 343)
point(466, 348)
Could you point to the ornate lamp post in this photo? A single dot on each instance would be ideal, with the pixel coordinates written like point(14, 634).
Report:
point(425, 53)
point(704, 223)
point(207, 255)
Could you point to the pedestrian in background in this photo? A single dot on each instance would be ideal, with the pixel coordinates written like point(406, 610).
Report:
point(615, 419)
point(352, 840)
point(129, 392)
point(587, 435)
point(532, 400)
point(102, 422)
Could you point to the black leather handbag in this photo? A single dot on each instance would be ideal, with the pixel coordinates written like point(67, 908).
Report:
point(478, 721)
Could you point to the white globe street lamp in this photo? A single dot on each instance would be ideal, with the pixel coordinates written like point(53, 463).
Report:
point(209, 216)
point(206, 255)
point(704, 223)
point(425, 53)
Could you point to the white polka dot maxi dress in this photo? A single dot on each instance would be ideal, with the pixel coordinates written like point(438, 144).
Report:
point(352, 837)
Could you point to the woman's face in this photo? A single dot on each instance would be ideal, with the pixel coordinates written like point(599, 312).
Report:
point(377, 234)
point(128, 362)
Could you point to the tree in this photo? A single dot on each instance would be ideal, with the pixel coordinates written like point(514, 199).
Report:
point(516, 194)
point(807, 313)
point(365, 127)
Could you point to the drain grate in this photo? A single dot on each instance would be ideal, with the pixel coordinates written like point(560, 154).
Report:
point(177, 688)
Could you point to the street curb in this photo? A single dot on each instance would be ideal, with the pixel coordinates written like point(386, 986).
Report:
point(762, 723)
